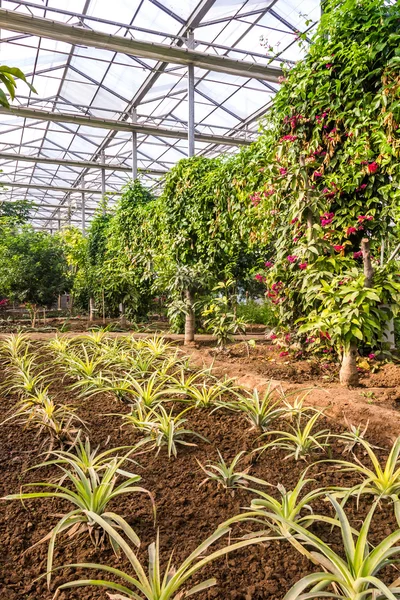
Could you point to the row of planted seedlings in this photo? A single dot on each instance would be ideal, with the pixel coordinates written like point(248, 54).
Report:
point(149, 376)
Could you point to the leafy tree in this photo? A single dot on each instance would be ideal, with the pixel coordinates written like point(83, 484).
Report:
point(14, 213)
point(331, 173)
point(206, 224)
point(33, 268)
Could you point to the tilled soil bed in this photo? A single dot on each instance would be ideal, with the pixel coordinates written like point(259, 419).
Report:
point(186, 513)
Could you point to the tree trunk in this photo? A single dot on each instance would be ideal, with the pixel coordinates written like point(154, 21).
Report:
point(189, 320)
point(368, 268)
point(59, 302)
point(122, 314)
point(348, 374)
point(309, 214)
point(91, 308)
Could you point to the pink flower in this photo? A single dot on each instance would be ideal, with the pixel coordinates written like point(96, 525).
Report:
point(273, 336)
point(372, 167)
point(317, 174)
point(351, 230)
point(362, 218)
point(293, 221)
point(361, 188)
point(288, 138)
point(281, 79)
point(292, 258)
point(326, 219)
point(371, 356)
point(269, 264)
point(255, 199)
point(282, 354)
point(357, 254)
point(303, 266)
point(259, 277)
point(338, 248)
point(283, 171)
point(269, 192)
point(328, 66)
point(295, 240)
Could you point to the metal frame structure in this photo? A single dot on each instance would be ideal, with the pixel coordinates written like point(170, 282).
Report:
point(128, 97)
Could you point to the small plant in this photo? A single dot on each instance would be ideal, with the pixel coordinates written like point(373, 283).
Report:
point(296, 409)
point(382, 481)
point(356, 575)
point(155, 585)
point(301, 441)
point(162, 428)
point(224, 474)
point(90, 495)
point(259, 411)
point(280, 514)
point(14, 345)
point(205, 395)
point(60, 344)
point(352, 437)
point(220, 318)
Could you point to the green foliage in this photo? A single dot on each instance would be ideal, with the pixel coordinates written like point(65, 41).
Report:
point(260, 313)
point(331, 173)
point(33, 267)
point(8, 75)
point(224, 474)
point(220, 318)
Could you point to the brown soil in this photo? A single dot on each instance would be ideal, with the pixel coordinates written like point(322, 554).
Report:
point(186, 513)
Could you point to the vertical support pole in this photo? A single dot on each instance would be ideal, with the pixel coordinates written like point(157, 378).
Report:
point(83, 208)
point(59, 219)
point(134, 147)
point(69, 210)
point(103, 181)
point(190, 76)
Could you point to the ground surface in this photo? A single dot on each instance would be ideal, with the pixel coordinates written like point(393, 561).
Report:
point(187, 514)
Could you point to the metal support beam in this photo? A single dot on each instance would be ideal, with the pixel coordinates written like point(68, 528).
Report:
point(23, 23)
point(134, 148)
point(74, 163)
point(83, 208)
point(57, 117)
point(51, 188)
point(103, 181)
point(190, 80)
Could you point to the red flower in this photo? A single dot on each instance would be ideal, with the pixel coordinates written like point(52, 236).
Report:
point(351, 230)
point(372, 167)
point(273, 336)
point(283, 171)
point(371, 356)
point(317, 174)
point(269, 264)
point(357, 254)
point(361, 188)
point(282, 354)
point(288, 138)
point(292, 258)
point(338, 248)
point(259, 277)
point(303, 266)
point(293, 221)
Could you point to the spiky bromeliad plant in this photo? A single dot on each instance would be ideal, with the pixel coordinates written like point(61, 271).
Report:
point(224, 474)
point(162, 428)
point(259, 411)
point(156, 585)
point(301, 441)
point(354, 577)
point(380, 480)
point(89, 493)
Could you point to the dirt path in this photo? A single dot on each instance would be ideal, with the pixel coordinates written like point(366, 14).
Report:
point(338, 403)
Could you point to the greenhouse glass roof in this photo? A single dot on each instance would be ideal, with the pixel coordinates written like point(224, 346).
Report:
point(91, 87)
